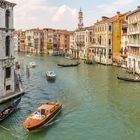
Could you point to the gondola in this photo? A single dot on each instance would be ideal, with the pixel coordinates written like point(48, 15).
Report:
point(9, 110)
point(128, 79)
point(68, 65)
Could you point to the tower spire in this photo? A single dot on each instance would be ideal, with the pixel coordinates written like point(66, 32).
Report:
point(80, 19)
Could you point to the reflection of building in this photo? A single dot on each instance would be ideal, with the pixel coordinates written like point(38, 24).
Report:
point(6, 49)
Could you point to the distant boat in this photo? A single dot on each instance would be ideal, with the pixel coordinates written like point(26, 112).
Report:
point(29, 55)
point(128, 79)
point(9, 110)
point(32, 64)
point(68, 65)
point(43, 116)
point(50, 75)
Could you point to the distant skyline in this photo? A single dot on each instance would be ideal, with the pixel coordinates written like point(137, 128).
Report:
point(64, 13)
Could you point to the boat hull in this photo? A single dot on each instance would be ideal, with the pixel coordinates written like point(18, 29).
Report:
point(128, 79)
point(46, 121)
point(68, 65)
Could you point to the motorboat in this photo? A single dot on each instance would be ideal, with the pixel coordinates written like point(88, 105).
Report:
point(50, 75)
point(42, 116)
point(129, 79)
point(32, 64)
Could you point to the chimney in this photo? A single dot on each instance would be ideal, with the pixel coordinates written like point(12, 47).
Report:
point(118, 13)
point(104, 17)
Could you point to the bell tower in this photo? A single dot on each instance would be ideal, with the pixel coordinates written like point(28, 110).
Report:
point(80, 19)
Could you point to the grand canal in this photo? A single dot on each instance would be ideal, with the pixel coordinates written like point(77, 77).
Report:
point(96, 106)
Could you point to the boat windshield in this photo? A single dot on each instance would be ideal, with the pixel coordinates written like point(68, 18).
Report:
point(37, 114)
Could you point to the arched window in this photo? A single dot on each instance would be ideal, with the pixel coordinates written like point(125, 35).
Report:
point(7, 46)
point(7, 18)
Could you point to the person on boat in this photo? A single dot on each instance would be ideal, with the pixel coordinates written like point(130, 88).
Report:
point(38, 114)
point(1, 114)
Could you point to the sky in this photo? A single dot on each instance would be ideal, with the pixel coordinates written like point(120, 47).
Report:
point(64, 13)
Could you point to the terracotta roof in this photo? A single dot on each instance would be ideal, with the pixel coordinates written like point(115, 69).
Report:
point(111, 19)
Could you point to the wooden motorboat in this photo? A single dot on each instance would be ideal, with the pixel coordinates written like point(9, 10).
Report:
point(9, 110)
point(44, 114)
point(32, 64)
point(68, 65)
point(50, 75)
point(128, 79)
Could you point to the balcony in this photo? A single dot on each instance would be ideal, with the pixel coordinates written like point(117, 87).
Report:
point(133, 44)
point(133, 32)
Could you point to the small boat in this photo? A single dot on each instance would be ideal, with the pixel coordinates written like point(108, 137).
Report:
point(128, 79)
point(69, 65)
point(32, 64)
point(43, 116)
point(88, 62)
point(9, 110)
point(50, 75)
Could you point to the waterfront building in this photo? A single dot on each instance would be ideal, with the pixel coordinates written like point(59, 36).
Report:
point(45, 40)
point(89, 42)
point(49, 39)
point(133, 61)
point(19, 41)
point(7, 79)
point(124, 42)
point(64, 42)
point(34, 41)
point(108, 39)
point(16, 41)
point(79, 35)
point(71, 44)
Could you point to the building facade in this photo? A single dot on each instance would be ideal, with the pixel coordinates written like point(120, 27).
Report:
point(6, 50)
point(19, 41)
point(134, 40)
point(34, 41)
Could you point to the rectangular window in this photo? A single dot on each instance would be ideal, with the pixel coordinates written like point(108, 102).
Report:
point(110, 28)
point(8, 72)
point(8, 87)
point(139, 64)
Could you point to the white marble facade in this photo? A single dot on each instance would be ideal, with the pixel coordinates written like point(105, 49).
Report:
point(6, 48)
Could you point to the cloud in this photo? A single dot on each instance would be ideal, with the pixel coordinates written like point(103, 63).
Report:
point(37, 13)
point(114, 6)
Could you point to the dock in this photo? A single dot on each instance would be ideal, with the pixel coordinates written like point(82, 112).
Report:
point(10, 96)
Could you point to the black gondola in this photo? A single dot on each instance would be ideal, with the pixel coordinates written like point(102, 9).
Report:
point(128, 79)
point(68, 65)
point(9, 110)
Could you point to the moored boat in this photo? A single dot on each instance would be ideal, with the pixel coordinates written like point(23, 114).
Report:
point(50, 75)
point(68, 65)
point(44, 114)
point(128, 79)
point(9, 110)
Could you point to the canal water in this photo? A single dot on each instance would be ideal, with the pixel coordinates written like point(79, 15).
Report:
point(96, 106)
